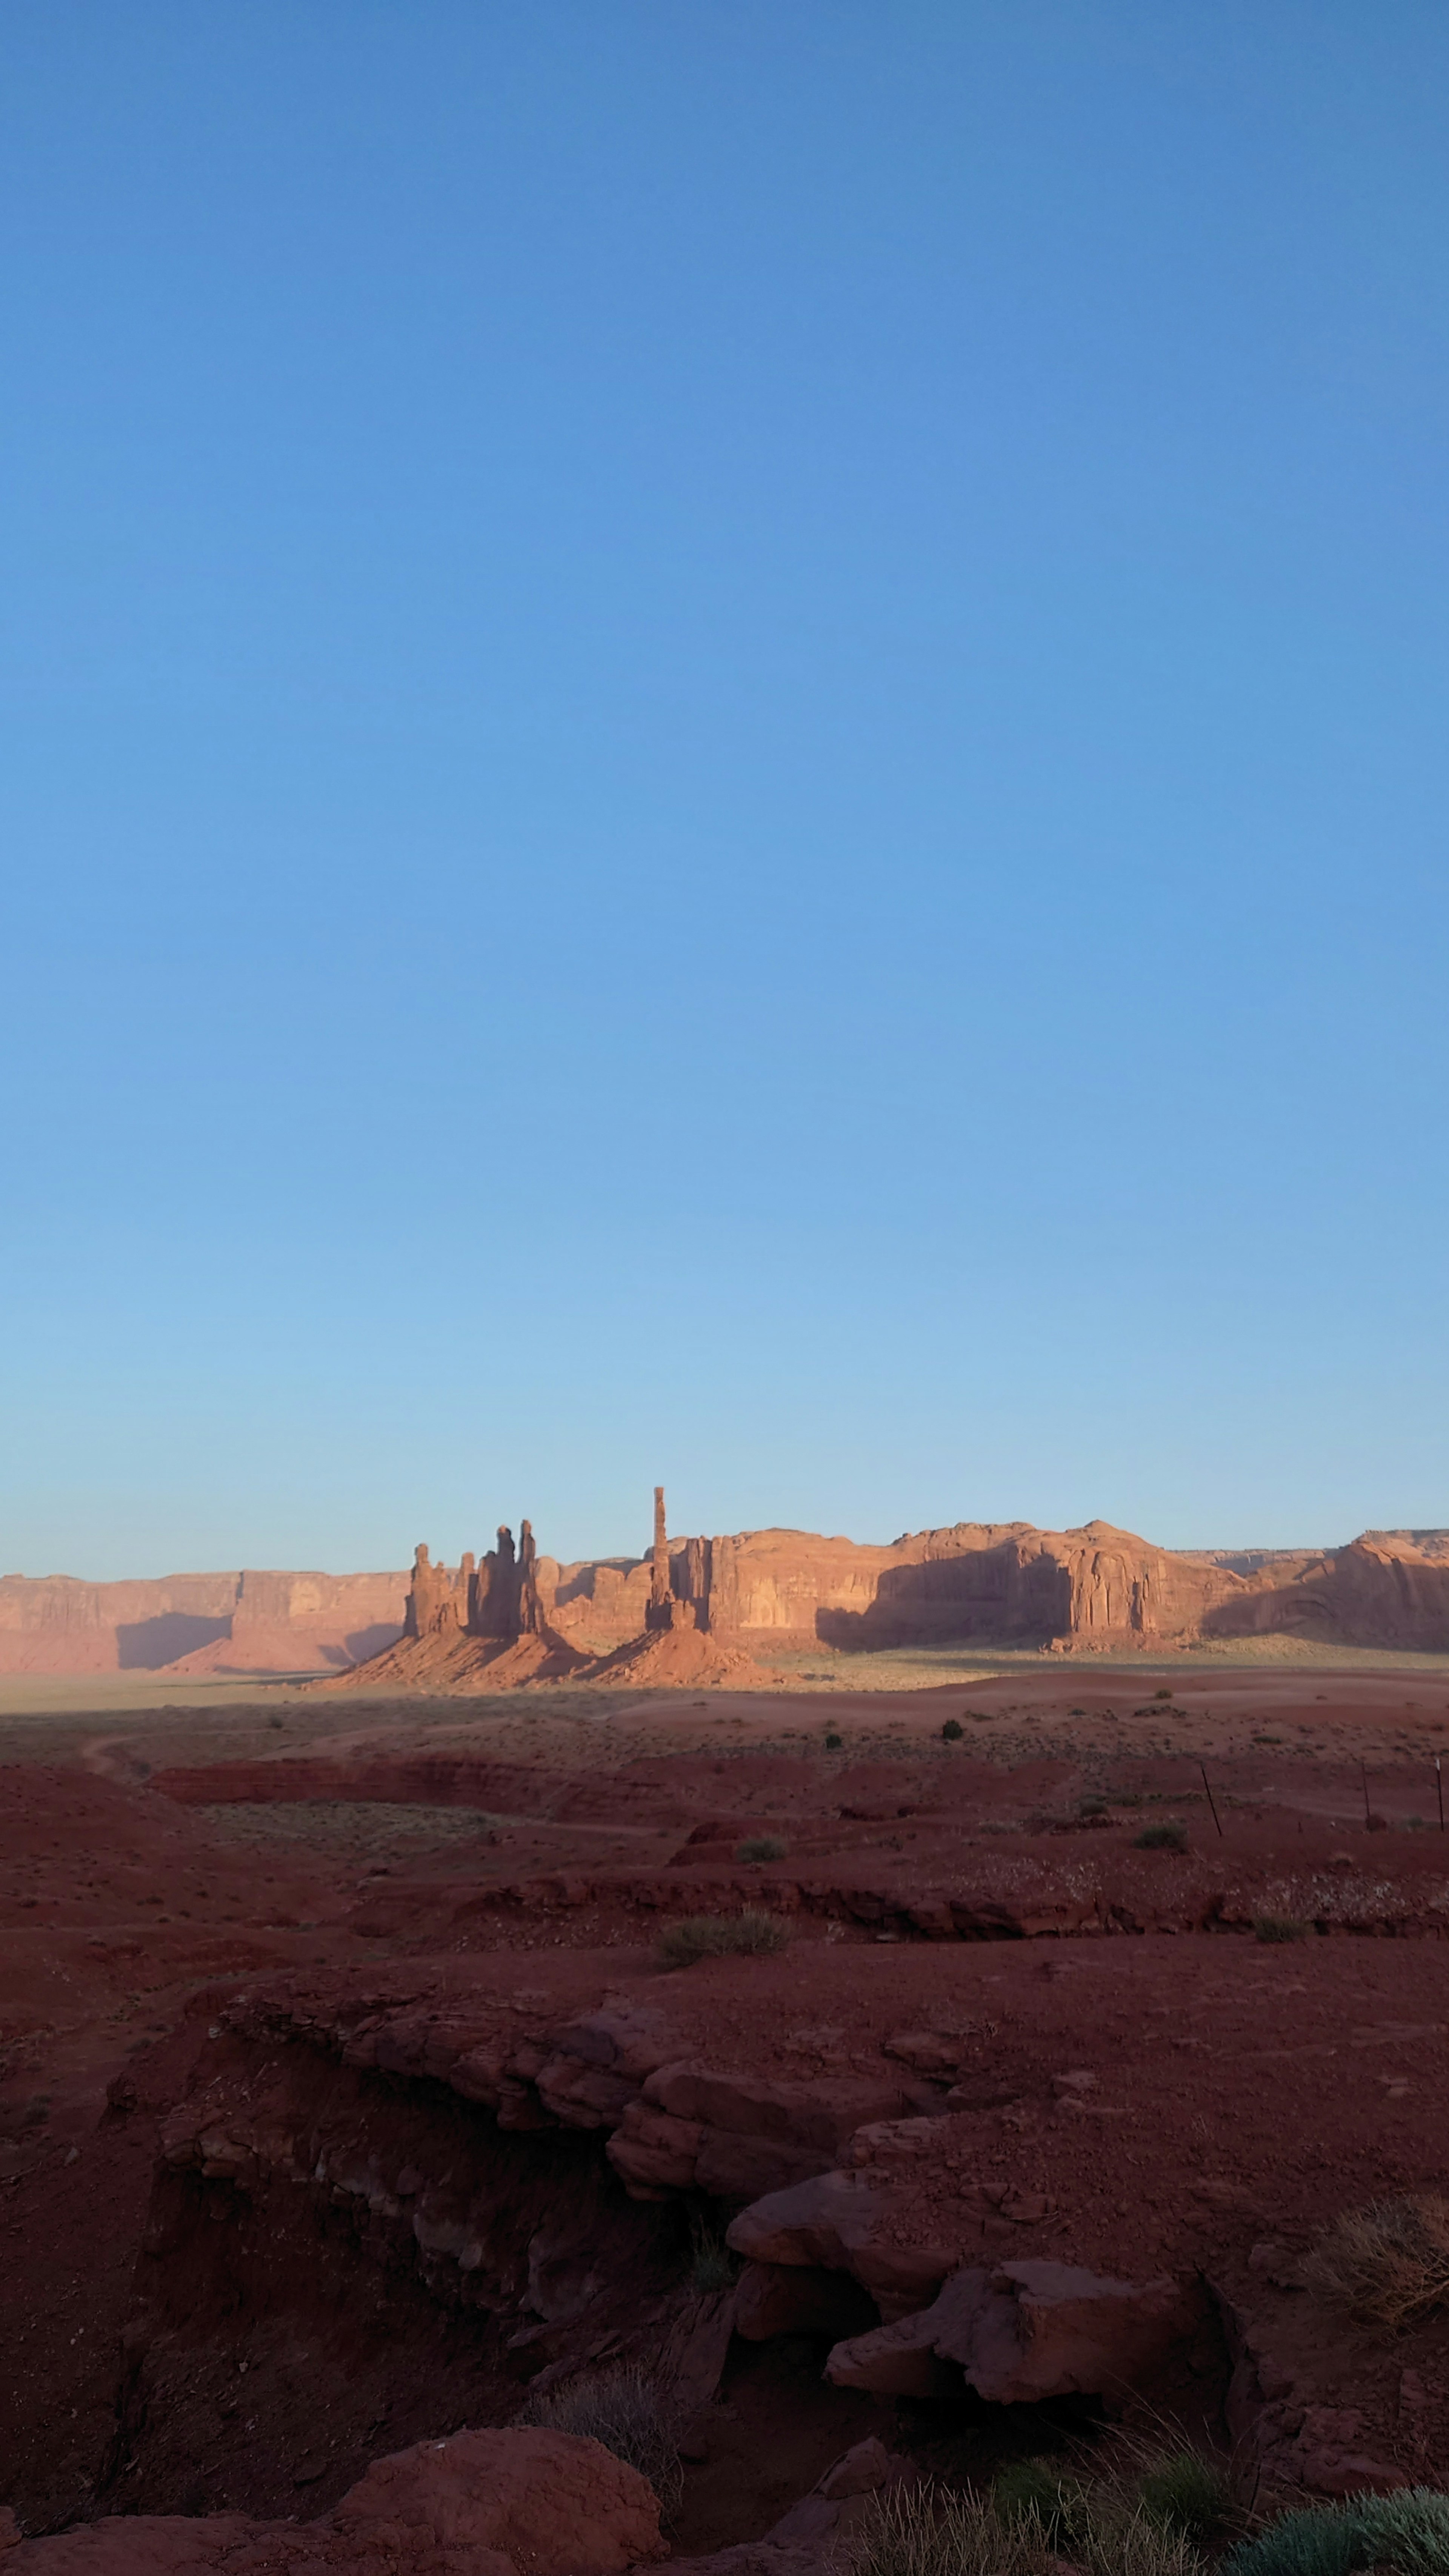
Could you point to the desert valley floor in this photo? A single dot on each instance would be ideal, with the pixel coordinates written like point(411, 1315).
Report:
point(350, 2096)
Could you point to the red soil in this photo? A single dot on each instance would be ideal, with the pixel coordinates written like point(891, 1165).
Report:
point(318, 1964)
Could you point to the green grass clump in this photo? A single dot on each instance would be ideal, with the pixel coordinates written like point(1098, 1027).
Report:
point(952, 1731)
point(1186, 2493)
point(1165, 1837)
point(1279, 1927)
point(624, 2410)
point(721, 1936)
point(1408, 2531)
point(761, 1847)
point(1033, 2489)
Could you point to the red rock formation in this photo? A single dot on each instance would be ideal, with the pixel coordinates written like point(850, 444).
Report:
point(756, 1591)
point(660, 1613)
point(239, 1622)
point(503, 2502)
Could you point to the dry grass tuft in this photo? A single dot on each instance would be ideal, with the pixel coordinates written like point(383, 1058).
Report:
point(1387, 2265)
point(624, 2410)
point(919, 2531)
point(721, 1936)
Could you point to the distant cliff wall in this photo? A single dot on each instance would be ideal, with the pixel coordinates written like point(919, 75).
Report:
point(252, 1621)
point(763, 1591)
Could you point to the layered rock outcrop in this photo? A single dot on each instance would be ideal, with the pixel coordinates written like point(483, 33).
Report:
point(756, 1593)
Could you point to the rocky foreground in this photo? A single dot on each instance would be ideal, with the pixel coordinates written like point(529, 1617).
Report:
point(353, 2105)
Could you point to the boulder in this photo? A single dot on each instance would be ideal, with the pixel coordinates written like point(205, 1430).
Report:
point(478, 2504)
point(1024, 2332)
point(840, 2221)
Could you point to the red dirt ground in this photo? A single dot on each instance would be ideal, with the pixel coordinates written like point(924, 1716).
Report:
point(372, 1921)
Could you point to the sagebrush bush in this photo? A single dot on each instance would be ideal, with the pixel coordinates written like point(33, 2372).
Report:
point(761, 1847)
point(1408, 2532)
point(623, 2409)
point(1280, 1927)
point(833, 1742)
point(953, 1730)
point(721, 1936)
point(1387, 2265)
point(1166, 1837)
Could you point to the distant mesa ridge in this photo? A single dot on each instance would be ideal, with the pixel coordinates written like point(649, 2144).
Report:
point(703, 1608)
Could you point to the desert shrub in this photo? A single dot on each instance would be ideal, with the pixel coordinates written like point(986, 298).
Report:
point(1408, 2532)
point(624, 2409)
point(1033, 2489)
point(721, 1936)
point(1165, 1837)
point(952, 1731)
point(761, 1847)
point(1162, 1691)
point(1388, 2265)
point(1092, 1806)
point(833, 1742)
point(1279, 1927)
point(1184, 2492)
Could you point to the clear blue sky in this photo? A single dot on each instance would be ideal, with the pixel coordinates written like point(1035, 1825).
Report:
point(724, 759)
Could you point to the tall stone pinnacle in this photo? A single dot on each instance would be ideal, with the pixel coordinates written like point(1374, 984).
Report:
point(661, 1600)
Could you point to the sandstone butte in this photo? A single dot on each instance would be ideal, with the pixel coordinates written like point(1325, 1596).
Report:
point(702, 1608)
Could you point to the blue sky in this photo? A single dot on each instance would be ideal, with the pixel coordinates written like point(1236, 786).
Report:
point(722, 757)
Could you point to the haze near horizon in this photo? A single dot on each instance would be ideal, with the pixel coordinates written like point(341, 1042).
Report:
point(724, 761)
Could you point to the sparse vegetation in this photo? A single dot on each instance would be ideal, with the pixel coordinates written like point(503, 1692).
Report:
point(918, 2531)
point(712, 2265)
point(1035, 2490)
point(624, 2409)
point(1162, 1691)
point(833, 1742)
point(1092, 1806)
point(1164, 1837)
point(1186, 2493)
point(761, 1847)
point(1408, 2532)
point(952, 1731)
point(721, 1936)
point(1387, 2265)
point(1279, 1927)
